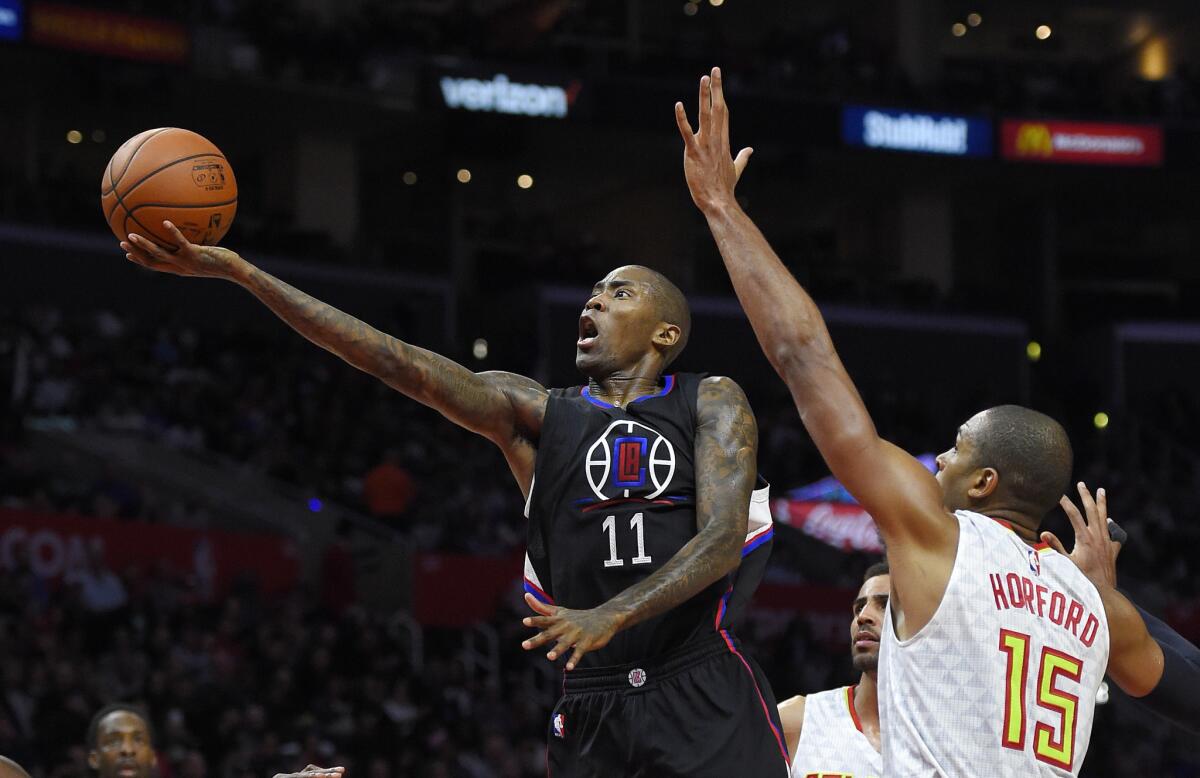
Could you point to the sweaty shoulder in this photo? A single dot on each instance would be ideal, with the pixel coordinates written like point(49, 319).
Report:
point(791, 716)
point(716, 392)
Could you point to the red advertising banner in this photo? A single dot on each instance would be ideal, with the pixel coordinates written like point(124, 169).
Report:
point(457, 590)
point(107, 32)
point(56, 548)
point(1087, 143)
point(841, 525)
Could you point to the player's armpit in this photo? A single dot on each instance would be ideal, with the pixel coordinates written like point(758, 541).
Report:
point(1135, 659)
point(791, 716)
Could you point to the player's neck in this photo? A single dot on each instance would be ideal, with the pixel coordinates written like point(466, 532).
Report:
point(866, 705)
point(622, 388)
point(1017, 521)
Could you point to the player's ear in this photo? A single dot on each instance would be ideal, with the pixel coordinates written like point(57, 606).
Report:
point(93, 760)
point(984, 483)
point(667, 335)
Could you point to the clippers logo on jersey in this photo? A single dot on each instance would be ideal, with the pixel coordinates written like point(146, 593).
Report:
point(630, 455)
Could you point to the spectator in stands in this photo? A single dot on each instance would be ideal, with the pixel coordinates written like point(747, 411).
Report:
point(389, 489)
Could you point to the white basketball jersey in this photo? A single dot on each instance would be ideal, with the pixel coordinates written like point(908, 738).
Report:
point(832, 743)
point(1002, 681)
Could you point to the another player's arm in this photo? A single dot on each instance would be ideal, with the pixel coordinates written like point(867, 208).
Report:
point(503, 407)
point(896, 489)
point(1135, 659)
point(791, 716)
point(726, 451)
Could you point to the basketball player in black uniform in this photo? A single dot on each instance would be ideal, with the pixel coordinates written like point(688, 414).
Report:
point(637, 520)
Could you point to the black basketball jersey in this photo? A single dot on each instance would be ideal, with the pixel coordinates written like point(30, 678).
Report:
point(613, 498)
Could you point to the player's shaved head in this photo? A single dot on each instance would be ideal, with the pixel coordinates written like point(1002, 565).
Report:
point(10, 769)
point(1029, 450)
point(672, 307)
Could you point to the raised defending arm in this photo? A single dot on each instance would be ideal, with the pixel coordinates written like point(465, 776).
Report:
point(503, 407)
point(895, 488)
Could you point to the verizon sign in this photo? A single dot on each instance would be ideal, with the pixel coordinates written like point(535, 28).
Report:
point(1089, 143)
point(500, 95)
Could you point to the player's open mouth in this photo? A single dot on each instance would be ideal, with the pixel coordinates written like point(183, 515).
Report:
point(588, 332)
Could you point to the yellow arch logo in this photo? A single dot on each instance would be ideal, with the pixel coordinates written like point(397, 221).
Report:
point(1033, 140)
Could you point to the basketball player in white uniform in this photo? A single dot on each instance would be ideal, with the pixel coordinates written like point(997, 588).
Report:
point(994, 645)
point(836, 732)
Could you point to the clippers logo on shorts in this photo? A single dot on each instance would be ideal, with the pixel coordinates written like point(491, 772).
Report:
point(637, 677)
point(560, 725)
point(630, 456)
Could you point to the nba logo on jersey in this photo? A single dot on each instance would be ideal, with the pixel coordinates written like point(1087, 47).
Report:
point(630, 456)
point(1035, 561)
point(560, 725)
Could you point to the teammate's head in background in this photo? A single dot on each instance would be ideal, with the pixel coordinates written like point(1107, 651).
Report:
point(120, 742)
point(1008, 459)
point(867, 620)
point(10, 769)
point(635, 318)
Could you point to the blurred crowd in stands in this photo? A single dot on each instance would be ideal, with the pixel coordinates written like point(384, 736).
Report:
point(249, 686)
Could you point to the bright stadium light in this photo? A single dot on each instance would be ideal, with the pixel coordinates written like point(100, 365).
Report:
point(525, 181)
point(1100, 420)
point(463, 176)
point(958, 29)
point(974, 19)
point(1043, 32)
point(1033, 350)
point(479, 349)
point(74, 136)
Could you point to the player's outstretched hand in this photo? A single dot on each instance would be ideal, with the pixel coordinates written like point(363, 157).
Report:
point(188, 260)
point(312, 771)
point(584, 631)
point(708, 165)
point(1096, 550)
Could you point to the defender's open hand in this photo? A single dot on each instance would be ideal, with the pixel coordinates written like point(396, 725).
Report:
point(1095, 553)
point(711, 171)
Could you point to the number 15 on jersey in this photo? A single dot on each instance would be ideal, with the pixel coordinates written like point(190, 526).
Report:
point(1053, 745)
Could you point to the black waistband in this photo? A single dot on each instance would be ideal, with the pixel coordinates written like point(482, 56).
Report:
point(640, 676)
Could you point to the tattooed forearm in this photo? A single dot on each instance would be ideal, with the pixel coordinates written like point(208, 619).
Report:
point(726, 463)
point(492, 404)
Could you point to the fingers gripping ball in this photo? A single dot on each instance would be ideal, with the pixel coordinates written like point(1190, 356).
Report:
point(174, 174)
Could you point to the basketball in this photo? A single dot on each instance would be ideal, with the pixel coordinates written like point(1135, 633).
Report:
point(169, 173)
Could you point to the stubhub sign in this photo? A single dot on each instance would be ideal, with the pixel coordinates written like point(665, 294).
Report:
point(929, 133)
point(10, 20)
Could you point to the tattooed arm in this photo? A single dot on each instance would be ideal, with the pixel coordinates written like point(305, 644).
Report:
point(503, 407)
point(726, 453)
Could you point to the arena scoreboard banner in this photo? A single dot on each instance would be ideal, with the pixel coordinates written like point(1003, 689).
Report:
point(106, 32)
point(11, 22)
point(56, 547)
point(917, 131)
point(1083, 143)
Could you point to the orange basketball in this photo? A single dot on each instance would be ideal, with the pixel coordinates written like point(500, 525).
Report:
point(172, 174)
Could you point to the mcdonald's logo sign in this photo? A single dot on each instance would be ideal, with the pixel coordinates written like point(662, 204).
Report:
point(1033, 140)
point(1089, 143)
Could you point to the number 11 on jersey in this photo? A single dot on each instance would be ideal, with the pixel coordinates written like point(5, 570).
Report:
point(636, 523)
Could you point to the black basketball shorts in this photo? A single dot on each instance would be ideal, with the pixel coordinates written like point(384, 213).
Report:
point(704, 711)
